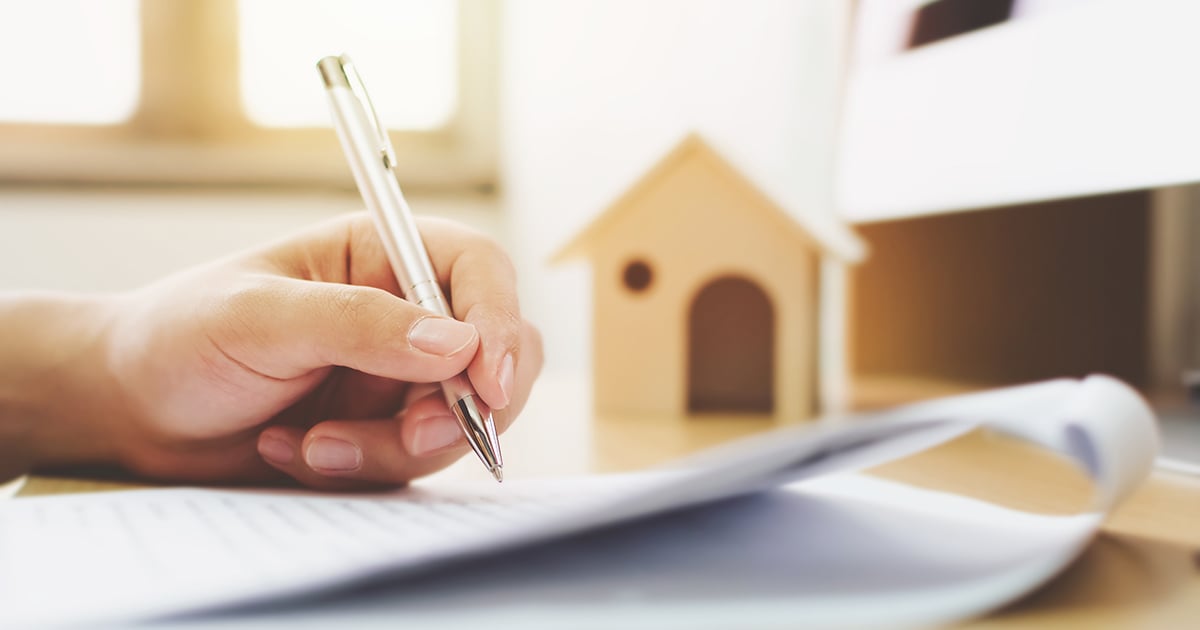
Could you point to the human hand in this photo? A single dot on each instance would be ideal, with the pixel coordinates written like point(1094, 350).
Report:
point(298, 358)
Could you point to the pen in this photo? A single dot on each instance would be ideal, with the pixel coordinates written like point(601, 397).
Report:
point(373, 163)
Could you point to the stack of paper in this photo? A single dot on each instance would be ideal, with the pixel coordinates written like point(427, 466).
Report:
point(770, 529)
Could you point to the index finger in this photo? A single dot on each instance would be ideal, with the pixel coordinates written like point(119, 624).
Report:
point(476, 273)
point(482, 286)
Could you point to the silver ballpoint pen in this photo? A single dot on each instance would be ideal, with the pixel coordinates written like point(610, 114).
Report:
point(373, 161)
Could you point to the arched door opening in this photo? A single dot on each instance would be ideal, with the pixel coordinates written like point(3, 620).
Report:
point(731, 349)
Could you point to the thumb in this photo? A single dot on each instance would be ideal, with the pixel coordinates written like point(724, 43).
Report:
point(287, 327)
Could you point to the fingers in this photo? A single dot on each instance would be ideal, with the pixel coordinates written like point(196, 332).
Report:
point(530, 366)
point(483, 292)
point(344, 454)
point(426, 405)
point(479, 278)
point(283, 328)
point(347, 454)
point(226, 461)
point(361, 395)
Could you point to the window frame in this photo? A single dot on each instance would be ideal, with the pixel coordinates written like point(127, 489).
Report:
point(189, 126)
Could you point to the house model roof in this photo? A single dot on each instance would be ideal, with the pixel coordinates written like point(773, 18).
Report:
point(816, 226)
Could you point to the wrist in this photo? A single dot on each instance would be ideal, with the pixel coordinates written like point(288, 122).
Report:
point(57, 394)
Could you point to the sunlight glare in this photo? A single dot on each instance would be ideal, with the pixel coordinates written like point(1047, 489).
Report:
point(70, 61)
point(406, 51)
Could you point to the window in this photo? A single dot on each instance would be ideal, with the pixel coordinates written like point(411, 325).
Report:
point(637, 276)
point(83, 70)
point(411, 39)
point(226, 91)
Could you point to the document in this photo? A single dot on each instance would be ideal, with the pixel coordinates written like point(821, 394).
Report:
point(775, 521)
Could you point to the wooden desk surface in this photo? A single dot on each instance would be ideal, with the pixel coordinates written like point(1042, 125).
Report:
point(1143, 571)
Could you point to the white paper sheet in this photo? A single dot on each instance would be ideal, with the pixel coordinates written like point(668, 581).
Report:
point(834, 552)
point(133, 555)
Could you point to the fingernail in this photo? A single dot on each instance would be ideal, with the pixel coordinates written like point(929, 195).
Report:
point(333, 455)
point(276, 450)
point(434, 434)
point(505, 377)
point(441, 335)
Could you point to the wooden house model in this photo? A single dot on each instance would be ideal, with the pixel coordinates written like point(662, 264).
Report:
point(705, 294)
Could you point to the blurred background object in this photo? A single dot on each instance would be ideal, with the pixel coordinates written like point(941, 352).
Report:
point(143, 137)
point(1068, 128)
point(220, 92)
point(739, 297)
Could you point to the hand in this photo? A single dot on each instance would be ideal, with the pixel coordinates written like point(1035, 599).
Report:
point(300, 359)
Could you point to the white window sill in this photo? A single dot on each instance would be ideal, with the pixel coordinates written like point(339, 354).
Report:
point(114, 239)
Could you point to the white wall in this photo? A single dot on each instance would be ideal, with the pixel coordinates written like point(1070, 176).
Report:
point(595, 91)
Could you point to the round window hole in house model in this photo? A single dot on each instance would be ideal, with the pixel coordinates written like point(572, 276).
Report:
point(637, 276)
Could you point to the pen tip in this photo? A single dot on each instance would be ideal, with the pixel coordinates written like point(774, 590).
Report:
point(498, 473)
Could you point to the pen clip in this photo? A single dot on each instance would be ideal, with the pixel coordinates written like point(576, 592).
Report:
point(360, 91)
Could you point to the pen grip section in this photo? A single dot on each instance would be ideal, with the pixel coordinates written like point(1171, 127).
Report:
point(428, 295)
point(457, 388)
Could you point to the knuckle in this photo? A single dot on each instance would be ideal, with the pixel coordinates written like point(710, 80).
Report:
point(365, 317)
point(245, 297)
point(488, 251)
point(502, 263)
point(348, 304)
point(500, 325)
point(500, 259)
point(239, 309)
point(361, 308)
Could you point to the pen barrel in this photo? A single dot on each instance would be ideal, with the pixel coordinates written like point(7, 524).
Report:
point(369, 155)
point(428, 295)
point(390, 211)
